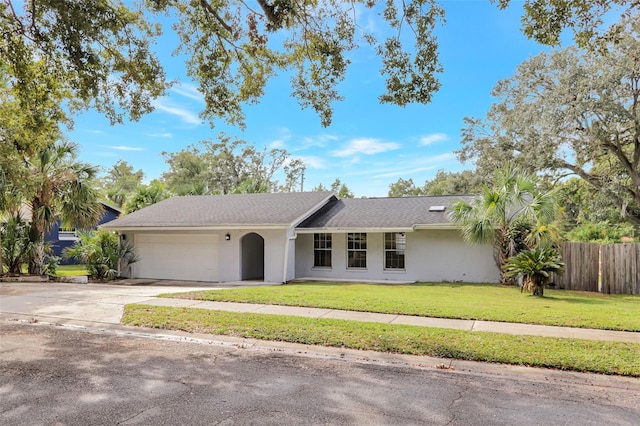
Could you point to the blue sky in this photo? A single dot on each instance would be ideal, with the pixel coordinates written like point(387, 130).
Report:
point(369, 145)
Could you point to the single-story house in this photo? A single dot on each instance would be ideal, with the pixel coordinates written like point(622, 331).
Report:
point(279, 237)
point(60, 237)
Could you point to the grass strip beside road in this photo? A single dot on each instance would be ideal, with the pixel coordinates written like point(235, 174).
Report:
point(71, 270)
point(489, 302)
point(565, 354)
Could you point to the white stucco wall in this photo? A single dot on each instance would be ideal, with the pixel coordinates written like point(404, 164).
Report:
point(171, 265)
point(431, 256)
point(229, 252)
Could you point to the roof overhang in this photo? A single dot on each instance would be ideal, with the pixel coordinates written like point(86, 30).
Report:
point(436, 226)
point(194, 228)
point(350, 229)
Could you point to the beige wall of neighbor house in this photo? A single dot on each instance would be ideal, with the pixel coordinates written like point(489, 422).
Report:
point(430, 255)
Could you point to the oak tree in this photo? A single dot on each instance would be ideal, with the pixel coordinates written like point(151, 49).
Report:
point(570, 112)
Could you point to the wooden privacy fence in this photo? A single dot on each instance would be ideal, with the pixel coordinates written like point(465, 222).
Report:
point(610, 268)
point(581, 267)
point(620, 268)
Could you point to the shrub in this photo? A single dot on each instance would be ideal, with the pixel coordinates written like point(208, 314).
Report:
point(601, 232)
point(535, 265)
point(16, 244)
point(104, 254)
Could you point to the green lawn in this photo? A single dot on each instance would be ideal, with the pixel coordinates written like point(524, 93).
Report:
point(71, 270)
point(467, 301)
point(565, 354)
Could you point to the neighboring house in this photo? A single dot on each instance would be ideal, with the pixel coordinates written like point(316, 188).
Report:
point(283, 236)
point(61, 238)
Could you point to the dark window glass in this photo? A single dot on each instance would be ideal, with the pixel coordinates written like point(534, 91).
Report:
point(394, 247)
point(322, 250)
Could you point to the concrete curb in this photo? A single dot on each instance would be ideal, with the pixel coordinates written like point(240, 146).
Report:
point(443, 365)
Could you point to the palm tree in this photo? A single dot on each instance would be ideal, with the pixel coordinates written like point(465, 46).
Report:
point(535, 266)
point(61, 191)
point(146, 195)
point(507, 215)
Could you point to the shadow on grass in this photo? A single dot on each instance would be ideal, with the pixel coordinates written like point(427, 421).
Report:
point(579, 300)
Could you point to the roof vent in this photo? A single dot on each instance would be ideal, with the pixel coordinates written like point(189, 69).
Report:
point(437, 208)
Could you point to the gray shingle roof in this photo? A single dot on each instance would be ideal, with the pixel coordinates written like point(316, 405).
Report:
point(279, 209)
point(390, 213)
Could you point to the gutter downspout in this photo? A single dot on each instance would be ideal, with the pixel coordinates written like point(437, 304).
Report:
point(286, 256)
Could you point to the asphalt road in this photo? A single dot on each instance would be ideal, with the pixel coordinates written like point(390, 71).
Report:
point(52, 375)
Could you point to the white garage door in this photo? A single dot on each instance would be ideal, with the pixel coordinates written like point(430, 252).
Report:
point(177, 257)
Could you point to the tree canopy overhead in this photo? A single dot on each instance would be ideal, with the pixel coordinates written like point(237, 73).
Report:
point(570, 112)
point(100, 54)
point(100, 50)
point(544, 20)
point(91, 53)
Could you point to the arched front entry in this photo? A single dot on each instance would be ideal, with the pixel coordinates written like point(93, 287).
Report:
point(252, 247)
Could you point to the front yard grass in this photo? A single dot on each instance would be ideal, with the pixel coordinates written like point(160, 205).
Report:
point(71, 270)
point(488, 302)
point(565, 354)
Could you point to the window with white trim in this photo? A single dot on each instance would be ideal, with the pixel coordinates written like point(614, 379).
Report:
point(322, 250)
point(394, 246)
point(67, 234)
point(356, 250)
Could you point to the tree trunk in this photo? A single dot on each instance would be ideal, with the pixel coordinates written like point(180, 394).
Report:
point(1, 260)
point(538, 290)
point(501, 254)
point(538, 282)
point(36, 263)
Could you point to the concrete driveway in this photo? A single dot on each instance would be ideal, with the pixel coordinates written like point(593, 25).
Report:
point(100, 303)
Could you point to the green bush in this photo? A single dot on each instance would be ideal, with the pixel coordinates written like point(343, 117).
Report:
point(16, 244)
point(103, 253)
point(601, 232)
point(535, 266)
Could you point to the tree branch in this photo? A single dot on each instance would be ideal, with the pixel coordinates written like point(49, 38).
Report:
point(205, 4)
point(269, 11)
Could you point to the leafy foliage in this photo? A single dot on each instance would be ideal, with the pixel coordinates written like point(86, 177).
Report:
point(234, 49)
point(61, 190)
point(16, 244)
point(535, 265)
point(570, 112)
point(99, 53)
point(92, 53)
point(104, 254)
point(444, 183)
point(601, 232)
point(337, 187)
point(544, 20)
point(230, 166)
point(146, 195)
point(512, 215)
point(120, 181)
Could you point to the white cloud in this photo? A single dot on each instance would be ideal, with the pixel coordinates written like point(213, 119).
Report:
point(188, 91)
point(403, 172)
point(320, 141)
point(161, 135)
point(433, 138)
point(277, 144)
point(314, 162)
point(184, 114)
point(125, 148)
point(440, 158)
point(405, 167)
point(366, 146)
